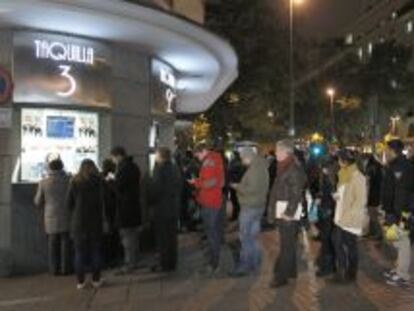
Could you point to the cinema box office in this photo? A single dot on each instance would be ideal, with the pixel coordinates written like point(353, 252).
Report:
point(70, 91)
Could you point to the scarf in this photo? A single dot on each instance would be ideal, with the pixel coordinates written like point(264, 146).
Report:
point(284, 165)
point(345, 174)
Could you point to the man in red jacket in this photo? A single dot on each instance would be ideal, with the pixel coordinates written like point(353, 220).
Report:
point(209, 187)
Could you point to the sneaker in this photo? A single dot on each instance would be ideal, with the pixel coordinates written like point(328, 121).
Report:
point(338, 279)
point(398, 281)
point(389, 273)
point(123, 271)
point(323, 273)
point(209, 271)
point(81, 286)
point(98, 284)
point(278, 283)
point(238, 274)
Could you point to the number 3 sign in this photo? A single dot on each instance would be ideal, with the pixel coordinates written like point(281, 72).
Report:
point(65, 73)
point(6, 85)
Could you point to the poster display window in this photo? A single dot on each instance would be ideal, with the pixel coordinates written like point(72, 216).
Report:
point(47, 134)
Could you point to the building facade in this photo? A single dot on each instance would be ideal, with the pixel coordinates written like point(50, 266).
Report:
point(381, 21)
point(92, 75)
point(191, 9)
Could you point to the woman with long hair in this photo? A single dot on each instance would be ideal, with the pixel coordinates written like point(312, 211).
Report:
point(86, 204)
point(351, 199)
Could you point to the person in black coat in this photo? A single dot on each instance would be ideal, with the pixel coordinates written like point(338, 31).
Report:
point(189, 169)
point(326, 212)
point(112, 242)
point(397, 195)
point(235, 174)
point(373, 171)
point(166, 194)
point(398, 183)
point(85, 202)
point(128, 207)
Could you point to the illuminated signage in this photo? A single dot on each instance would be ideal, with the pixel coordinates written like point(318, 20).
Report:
point(168, 78)
point(57, 69)
point(164, 88)
point(59, 51)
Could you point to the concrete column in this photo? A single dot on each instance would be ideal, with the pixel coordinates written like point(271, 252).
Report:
point(131, 116)
point(6, 164)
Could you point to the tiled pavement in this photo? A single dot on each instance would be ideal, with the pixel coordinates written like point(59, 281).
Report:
point(187, 291)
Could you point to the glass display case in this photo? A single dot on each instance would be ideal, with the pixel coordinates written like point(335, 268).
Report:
point(46, 134)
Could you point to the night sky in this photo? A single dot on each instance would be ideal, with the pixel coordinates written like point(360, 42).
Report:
point(326, 18)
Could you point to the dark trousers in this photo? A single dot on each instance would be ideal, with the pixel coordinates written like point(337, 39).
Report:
point(112, 250)
point(167, 242)
point(88, 248)
point(212, 222)
point(58, 253)
point(375, 229)
point(286, 266)
point(185, 216)
point(235, 203)
point(346, 250)
point(326, 257)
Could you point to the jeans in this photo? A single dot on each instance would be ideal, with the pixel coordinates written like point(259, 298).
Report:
point(212, 222)
point(88, 247)
point(346, 250)
point(250, 255)
point(223, 218)
point(403, 263)
point(130, 242)
point(58, 253)
point(286, 266)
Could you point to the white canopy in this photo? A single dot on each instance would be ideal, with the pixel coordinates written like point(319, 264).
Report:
point(207, 64)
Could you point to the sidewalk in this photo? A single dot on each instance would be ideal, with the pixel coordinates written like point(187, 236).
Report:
point(186, 290)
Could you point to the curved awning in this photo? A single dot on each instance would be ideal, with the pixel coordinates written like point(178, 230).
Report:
point(206, 63)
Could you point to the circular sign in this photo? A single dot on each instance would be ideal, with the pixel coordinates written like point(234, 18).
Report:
point(6, 85)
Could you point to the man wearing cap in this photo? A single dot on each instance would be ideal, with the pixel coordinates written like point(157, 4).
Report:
point(252, 194)
point(209, 187)
point(397, 193)
point(287, 191)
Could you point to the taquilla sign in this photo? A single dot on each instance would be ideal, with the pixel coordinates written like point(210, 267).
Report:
point(56, 69)
point(59, 51)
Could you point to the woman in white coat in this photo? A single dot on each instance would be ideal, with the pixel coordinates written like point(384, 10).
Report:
point(349, 216)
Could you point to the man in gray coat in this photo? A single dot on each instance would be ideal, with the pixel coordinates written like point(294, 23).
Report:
point(51, 198)
point(252, 194)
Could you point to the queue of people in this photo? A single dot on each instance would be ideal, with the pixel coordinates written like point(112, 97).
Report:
point(97, 215)
point(83, 211)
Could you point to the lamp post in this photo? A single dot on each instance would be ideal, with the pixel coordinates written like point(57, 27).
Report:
point(292, 128)
point(394, 121)
point(331, 94)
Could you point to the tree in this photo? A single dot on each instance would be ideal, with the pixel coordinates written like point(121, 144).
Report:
point(372, 91)
point(261, 41)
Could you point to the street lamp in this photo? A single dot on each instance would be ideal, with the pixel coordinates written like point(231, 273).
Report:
point(292, 129)
point(331, 94)
point(394, 121)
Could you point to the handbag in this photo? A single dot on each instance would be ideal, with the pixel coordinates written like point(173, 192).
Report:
point(281, 207)
point(313, 213)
